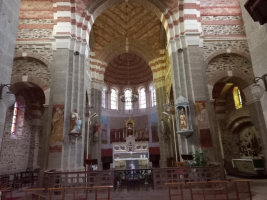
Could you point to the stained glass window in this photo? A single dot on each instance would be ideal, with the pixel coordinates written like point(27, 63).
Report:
point(142, 99)
point(114, 99)
point(128, 103)
point(14, 119)
point(237, 98)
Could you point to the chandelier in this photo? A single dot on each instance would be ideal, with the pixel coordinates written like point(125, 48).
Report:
point(128, 97)
point(133, 98)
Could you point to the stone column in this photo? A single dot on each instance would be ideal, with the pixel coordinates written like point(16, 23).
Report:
point(45, 144)
point(257, 118)
point(68, 89)
point(9, 16)
point(161, 99)
point(36, 133)
point(96, 98)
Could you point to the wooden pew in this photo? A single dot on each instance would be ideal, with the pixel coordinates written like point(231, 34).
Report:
point(39, 190)
point(102, 187)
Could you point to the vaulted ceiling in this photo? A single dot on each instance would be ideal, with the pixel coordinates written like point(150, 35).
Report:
point(128, 69)
point(127, 20)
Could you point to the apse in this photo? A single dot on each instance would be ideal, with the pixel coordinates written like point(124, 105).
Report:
point(128, 69)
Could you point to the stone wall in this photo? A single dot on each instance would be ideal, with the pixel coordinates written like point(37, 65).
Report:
point(31, 67)
point(19, 150)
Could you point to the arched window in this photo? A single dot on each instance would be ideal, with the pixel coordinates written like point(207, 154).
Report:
point(153, 97)
point(114, 99)
point(103, 98)
point(14, 119)
point(142, 98)
point(128, 103)
point(237, 98)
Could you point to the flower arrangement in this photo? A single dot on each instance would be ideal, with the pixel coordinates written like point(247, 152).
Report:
point(117, 155)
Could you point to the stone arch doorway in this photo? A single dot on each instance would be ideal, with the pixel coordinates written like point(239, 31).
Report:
point(28, 131)
point(229, 77)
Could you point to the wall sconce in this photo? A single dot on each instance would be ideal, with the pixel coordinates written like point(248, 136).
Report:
point(183, 117)
point(8, 98)
point(257, 90)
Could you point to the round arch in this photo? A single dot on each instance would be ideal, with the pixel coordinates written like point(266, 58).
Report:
point(35, 80)
point(37, 56)
point(224, 51)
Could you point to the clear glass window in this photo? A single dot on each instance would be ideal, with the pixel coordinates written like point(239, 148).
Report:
point(114, 99)
point(103, 98)
point(142, 98)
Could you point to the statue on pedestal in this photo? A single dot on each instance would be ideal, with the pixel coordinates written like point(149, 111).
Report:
point(76, 122)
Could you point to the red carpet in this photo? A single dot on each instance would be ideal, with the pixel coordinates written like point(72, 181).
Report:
point(14, 198)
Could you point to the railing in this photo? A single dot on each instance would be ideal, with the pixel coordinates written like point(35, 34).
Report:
point(132, 179)
point(185, 174)
point(78, 179)
point(154, 178)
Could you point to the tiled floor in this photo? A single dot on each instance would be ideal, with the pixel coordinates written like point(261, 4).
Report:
point(258, 187)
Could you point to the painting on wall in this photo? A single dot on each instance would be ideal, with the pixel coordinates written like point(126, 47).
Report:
point(203, 124)
point(56, 136)
point(154, 127)
point(104, 127)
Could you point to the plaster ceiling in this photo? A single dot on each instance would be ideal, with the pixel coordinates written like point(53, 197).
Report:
point(128, 67)
point(127, 20)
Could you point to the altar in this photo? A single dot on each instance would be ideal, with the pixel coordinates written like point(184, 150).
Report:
point(130, 154)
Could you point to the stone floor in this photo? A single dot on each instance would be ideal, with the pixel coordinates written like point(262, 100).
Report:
point(259, 190)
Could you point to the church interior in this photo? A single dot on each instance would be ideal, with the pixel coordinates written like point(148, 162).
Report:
point(133, 99)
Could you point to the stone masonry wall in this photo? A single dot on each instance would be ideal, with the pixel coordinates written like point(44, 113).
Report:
point(31, 67)
point(16, 153)
point(228, 62)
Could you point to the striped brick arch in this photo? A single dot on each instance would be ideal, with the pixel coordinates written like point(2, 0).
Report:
point(84, 21)
point(95, 8)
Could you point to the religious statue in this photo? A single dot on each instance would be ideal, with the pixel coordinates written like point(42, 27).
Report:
point(183, 120)
point(76, 122)
point(96, 128)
